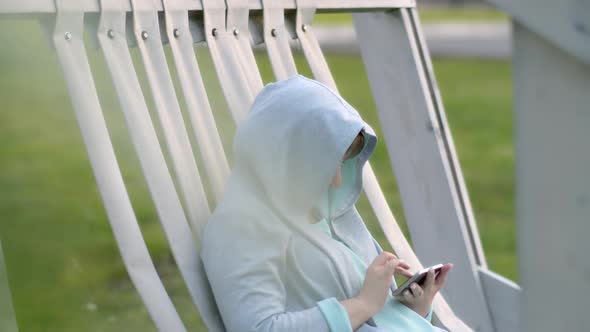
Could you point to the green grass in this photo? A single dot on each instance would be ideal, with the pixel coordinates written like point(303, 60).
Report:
point(63, 265)
point(428, 15)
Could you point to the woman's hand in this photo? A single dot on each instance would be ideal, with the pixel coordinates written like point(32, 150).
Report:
point(419, 298)
point(375, 288)
point(378, 280)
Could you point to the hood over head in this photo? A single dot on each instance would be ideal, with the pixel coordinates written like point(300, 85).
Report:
point(258, 248)
point(292, 142)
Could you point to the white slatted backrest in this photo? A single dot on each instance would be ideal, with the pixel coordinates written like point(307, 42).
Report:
point(68, 41)
point(183, 210)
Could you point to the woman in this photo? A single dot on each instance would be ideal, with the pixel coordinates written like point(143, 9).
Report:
point(286, 249)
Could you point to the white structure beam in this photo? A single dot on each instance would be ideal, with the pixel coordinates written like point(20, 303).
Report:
point(552, 121)
point(48, 6)
point(564, 23)
point(423, 158)
point(503, 297)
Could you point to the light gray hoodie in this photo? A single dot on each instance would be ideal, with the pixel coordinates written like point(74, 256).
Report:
point(267, 266)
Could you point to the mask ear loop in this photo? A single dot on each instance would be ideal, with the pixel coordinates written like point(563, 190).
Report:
point(330, 194)
point(329, 214)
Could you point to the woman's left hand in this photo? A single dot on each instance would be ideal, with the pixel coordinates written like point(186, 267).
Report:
point(419, 298)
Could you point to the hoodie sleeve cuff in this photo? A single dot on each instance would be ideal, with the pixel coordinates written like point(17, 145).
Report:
point(335, 315)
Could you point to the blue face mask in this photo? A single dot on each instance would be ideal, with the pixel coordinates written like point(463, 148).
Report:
point(335, 201)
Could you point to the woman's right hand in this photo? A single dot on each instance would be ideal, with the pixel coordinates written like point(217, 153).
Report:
point(375, 288)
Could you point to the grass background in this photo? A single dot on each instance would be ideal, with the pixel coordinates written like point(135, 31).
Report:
point(64, 269)
point(429, 15)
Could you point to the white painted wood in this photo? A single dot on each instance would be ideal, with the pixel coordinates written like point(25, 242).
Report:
point(449, 145)
point(503, 296)
point(166, 200)
point(552, 121)
point(74, 63)
point(237, 17)
point(48, 6)
point(276, 39)
point(195, 96)
point(309, 44)
point(243, 89)
point(569, 22)
point(210, 146)
point(7, 316)
point(421, 160)
point(233, 79)
point(147, 34)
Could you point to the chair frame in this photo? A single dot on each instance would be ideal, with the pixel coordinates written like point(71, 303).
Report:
point(434, 195)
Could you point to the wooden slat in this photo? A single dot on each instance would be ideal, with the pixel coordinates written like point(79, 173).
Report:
point(503, 298)
point(237, 86)
point(199, 110)
point(68, 42)
point(151, 158)
point(147, 33)
point(570, 22)
point(48, 6)
point(552, 118)
point(276, 38)
point(195, 96)
point(237, 18)
point(309, 44)
point(447, 141)
point(394, 59)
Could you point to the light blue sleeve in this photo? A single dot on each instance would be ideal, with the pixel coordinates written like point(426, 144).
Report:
point(429, 316)
point(335, 315)
point(246, 278)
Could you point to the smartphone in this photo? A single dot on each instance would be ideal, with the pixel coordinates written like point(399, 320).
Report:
point(418, 278)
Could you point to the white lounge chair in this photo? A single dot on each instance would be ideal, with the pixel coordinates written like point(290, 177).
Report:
point(410, 110)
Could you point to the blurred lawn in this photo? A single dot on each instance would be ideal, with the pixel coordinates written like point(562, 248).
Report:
point(429, 15)
point(63, 265)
